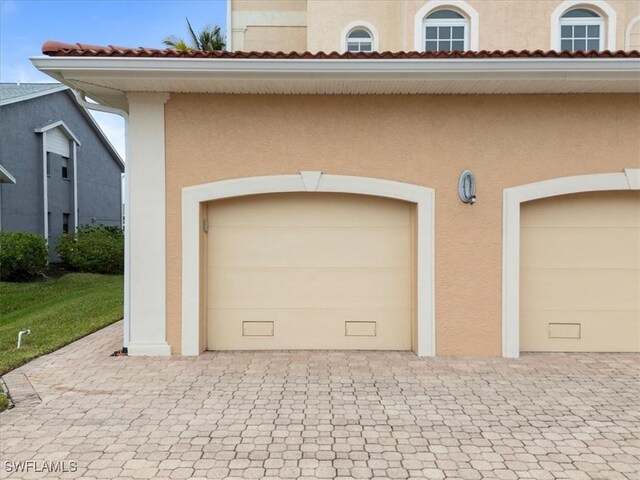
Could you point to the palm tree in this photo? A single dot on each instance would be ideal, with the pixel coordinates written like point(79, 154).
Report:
point(209, 39)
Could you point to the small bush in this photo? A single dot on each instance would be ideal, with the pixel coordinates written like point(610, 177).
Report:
point(93, 250)
point(23, 255)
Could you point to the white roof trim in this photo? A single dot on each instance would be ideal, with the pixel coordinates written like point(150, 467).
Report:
point(5, 176)
point(22, 98)
point(107, 79)
point(63, 126)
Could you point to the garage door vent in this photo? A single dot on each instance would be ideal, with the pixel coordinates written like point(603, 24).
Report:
point(564, 330)
point(257, 329)
point(360, 329)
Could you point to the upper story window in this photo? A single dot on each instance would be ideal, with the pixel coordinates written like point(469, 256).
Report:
point(581, 29)
point(65, 167)
point(359, 36)
point(579, 25)
point(446, 31)
point(359, 40)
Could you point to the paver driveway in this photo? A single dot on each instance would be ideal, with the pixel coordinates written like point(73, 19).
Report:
point(326, 414)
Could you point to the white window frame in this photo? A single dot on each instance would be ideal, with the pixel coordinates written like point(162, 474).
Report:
point(360, 25)
point(446, 22)
point(627, 33)
point(602, 8)
point(472, 19)
point(584, 21)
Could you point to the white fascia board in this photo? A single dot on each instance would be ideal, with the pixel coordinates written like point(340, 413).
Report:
point(108, 79)
point(122, 65)
point(42, 93)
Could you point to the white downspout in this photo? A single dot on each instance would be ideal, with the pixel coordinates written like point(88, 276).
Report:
point(80, 97)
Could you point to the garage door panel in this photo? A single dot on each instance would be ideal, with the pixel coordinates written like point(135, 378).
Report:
point(580, 247)
point(580, 273)
point(300, 287)
point(580, 289)
point(310, 270)
point(311, 247)
point(313, 329)
point(310, 210)
point(601, 331)
point(598, 209)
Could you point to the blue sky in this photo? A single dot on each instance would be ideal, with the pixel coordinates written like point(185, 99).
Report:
point(26, 24)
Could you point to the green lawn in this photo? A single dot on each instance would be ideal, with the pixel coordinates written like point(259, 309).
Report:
point(57, 311)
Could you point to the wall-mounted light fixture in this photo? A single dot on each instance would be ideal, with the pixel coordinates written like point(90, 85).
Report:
point(467, 187)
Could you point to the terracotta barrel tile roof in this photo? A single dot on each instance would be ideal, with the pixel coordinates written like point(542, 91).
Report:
point(58, 49)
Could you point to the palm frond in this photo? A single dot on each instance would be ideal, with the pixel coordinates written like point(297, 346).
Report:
point(195, 41)
point(209, 39)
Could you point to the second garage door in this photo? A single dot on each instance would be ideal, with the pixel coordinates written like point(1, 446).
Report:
point(580, 273)
point(310, 271)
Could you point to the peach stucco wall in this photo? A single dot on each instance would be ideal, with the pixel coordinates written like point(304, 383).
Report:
point(503, 24)
point(426, 140)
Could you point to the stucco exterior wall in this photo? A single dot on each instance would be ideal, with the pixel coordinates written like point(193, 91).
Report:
point(274, 39)
point(426, 140)
point(503, 24)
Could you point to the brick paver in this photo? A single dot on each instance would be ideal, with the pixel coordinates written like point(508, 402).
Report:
point(278, 415)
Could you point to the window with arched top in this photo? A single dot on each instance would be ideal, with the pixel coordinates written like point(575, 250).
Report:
point(446, 31)
point(581, 29)
point(359, 40)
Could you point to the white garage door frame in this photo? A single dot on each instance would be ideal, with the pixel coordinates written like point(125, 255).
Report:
point(629, 179)
point(193, 197)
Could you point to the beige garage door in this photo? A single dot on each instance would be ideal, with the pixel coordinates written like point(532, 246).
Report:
point(310, 271)
point(580, 273)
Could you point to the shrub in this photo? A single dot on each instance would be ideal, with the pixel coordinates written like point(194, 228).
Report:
point(93, 249)
point(23, 255)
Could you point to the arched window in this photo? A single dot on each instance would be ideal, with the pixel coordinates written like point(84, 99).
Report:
point(359, 40)
point(581, 29)
point(446, 31)
point(579, 25)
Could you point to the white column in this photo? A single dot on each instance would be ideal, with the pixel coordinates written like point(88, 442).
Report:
point(74, 151)
point(146, 224)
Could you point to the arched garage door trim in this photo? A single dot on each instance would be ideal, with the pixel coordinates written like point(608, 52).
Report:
point(193, 197)
point(512, 198)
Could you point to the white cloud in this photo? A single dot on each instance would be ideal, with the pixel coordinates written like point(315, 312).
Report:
point(113, 127)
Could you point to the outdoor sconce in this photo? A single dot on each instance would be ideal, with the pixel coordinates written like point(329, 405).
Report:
point(467, 187)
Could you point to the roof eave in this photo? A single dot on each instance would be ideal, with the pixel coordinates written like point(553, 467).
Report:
point(86, 73)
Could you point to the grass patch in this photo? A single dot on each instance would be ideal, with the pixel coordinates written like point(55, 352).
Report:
point(58, 311)
point(4, 400)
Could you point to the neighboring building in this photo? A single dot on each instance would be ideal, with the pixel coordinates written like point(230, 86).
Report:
point(66, 171)
point(313, 200)
point(415, 25)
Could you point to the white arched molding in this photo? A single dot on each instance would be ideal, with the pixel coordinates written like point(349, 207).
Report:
point(627, 33)
point(459, 6)
point(603, 8)
point(193, 197)
point(512, 199)
point(375, 36)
